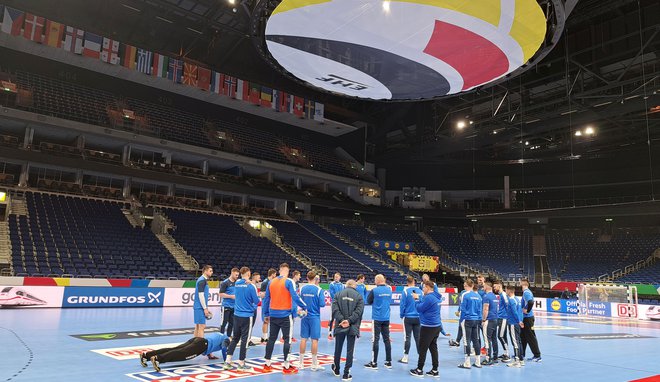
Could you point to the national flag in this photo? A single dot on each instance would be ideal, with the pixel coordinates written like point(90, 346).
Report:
point(216, 82)
point(319, 110)
point(255, 94)
point(34, 27)
point(12, 21)
point(175, 70)
point(297, 106)
point(54, 34)
point(230, 86)
point(283, 102)
point(203, 78)
point(309, 109)
point(160, 65)
point(266, 98)
point(128, 57)
point(243, 90)
point(110, 51)
point(144, 58)
point(190, 74)
point(276, 99)
point(92, 45)
point(73, 40)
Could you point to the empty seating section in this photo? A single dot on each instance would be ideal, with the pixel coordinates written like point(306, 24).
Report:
point(219, 241)
point(85, 237)
point(67, 100)
point(584, 256)
point(319, 251)
point(374, 266)
point(503, 251)
point(648, 275)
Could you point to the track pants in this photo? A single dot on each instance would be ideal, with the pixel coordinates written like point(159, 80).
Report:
point(187, 350)
point(501, 335)
point(490, 338)
point(276, 324)
point(227, 321)
point(340, 337)
point(528, 337)
point(242, 333)
point(381, 327)
point(429, 342)
point(411, 326)
point(459, 335)
point(471, 335)
point(514, 333)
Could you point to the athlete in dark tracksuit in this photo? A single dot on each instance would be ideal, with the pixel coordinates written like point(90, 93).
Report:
point(490, 326)
point(380, 298)
point(187, 350)
point(428, 308)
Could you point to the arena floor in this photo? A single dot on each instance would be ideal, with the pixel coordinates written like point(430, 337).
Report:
point(38, 344)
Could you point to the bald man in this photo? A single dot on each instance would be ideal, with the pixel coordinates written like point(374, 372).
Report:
point(380, 299)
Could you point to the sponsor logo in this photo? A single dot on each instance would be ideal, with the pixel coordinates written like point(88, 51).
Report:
point(626, 310)
point(141, 334)
point(604, 336)
point(453, 297)
point(367, 326)
point(12, 296)
point(131, 352)
point(15, 296)
point(555, 305)
point(215, 372)
point(80, 297)
point(552, 327)
point(561, 306)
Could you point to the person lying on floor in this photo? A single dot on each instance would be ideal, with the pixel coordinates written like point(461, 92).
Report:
point(187, 350)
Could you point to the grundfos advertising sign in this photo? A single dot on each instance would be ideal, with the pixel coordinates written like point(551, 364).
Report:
point(85, 297)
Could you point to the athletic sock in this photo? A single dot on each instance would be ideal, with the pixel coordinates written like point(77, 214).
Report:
point(286, 364)
point(315, 359)
point(267, 362)
point(228, 359)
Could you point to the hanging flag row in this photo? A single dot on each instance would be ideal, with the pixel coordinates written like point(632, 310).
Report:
point(78, 41)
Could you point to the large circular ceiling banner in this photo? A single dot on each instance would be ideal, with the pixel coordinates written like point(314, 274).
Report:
point(408, 49)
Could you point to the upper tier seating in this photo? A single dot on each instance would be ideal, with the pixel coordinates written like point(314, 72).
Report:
point(85, 237)
point(67, 100)
point(219, 241)
point(580, 256)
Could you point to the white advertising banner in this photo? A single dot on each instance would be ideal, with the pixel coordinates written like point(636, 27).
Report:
point(31, 296)
point(187, 296)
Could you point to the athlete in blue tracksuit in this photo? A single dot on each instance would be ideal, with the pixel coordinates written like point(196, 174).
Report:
point(470, 322)
point(514, 318)
point(361, 288)
point(380, 298)
point(408, 312)
point(187, 350)
point(334, 287)
point(310, 325)
point(246, 301)
point(227, 295)
point(428, 309)
point(489, 323)
point(502, 327)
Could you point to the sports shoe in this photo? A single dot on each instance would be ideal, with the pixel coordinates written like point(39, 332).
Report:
point(506, 359)
point(416, 373)
point(251, 344)
point(347, 377)
point(535, 359)
point(454, 343)
point(487, 363)
point(245, 368)
point(388, 364)
point(317, 368)
point(522, 362)
point(335, 370)
point(211, 356)
point(227, 366)
point(267, 368)
point(433, 373)
point(404, 359)
point(290, 370)
point(143, 359)
point(477, 365)
point(465, 365)
point(155, 363)
point(515, 363)
point(372, 366)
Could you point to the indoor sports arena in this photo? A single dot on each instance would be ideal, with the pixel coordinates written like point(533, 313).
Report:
point(315, 190)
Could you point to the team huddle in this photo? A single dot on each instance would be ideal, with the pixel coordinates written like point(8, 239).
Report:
point(484, 310)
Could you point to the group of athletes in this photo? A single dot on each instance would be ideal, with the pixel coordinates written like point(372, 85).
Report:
point(485, 310)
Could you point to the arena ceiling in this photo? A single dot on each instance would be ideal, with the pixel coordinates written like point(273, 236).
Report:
point(596, 93)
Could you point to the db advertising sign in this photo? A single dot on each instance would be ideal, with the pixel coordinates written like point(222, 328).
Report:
point(31, 297)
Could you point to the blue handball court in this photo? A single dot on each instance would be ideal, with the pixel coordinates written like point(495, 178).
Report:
point(103, 345)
